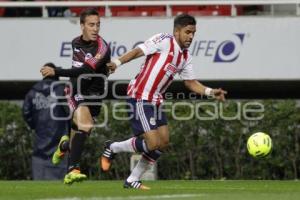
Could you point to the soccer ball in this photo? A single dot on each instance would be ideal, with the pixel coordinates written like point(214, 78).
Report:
point(259, 145)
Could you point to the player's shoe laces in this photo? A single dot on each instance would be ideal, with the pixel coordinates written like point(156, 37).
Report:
point(74, 176)
point(106, 157)
point(135, 185)
point(58, 154)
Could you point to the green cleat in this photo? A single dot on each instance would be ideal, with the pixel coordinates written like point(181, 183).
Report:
point(74, 176)
point(58, 154)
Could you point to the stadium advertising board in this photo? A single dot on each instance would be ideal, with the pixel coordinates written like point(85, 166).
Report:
point(248, 48)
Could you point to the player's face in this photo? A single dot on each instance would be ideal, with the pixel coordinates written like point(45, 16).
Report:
point(90, 28)
point(184, 36)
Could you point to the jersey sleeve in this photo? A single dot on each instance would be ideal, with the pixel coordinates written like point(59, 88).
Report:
point(187, 72)
point(74, 71)
point(156, 43)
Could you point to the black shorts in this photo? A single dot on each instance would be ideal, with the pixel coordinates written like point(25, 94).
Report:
point(92, 102)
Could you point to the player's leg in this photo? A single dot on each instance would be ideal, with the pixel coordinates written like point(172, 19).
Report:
point(152, 140)
point(143, 123)
point(157, 140)
point(163, 133)
point(135, 144)
point(145, 162)
point(62, 148)
point(84, 121)
point(64, 143)
point(134, 179)
point(148, 158)
point(151, 157)
point(131, 145)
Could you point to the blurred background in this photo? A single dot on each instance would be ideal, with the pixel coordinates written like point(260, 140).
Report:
point(249, 48)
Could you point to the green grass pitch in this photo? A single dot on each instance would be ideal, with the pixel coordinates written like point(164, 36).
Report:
point(160, 190)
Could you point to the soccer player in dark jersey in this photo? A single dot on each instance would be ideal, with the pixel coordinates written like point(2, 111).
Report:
point(88, 75)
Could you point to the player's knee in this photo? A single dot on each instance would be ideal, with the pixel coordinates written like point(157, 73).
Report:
point(83, 119)
point(164, 144)
point(87, 126)
point(152, 145)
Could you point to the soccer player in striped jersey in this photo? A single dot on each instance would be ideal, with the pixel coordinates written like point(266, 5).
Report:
point(166, 56)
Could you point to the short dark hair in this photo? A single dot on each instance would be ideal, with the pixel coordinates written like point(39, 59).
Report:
point(87, 12)
point(183, 20)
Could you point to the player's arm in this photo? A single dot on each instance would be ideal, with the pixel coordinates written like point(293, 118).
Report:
point(199, 88)
point(73, 72)
point(131, 55)
point(156, 43)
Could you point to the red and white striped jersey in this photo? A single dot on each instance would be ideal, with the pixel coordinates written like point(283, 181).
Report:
point(164, 60)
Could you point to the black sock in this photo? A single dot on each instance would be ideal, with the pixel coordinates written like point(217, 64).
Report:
point(65, 146)
point(77, 144)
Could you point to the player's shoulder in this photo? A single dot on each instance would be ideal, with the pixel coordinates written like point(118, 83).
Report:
point(159, 37)
point(76, 40)
point(103, 40)
point(106, 44)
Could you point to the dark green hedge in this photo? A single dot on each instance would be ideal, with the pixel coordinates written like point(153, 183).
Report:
point(199, 149)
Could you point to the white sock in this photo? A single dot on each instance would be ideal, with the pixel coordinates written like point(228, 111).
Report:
point(141, 167)
point(124, 146)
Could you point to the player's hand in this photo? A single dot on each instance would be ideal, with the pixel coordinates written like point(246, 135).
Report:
point(98, 56)
point(219, 94)
point(111, 67)
point(47, 71)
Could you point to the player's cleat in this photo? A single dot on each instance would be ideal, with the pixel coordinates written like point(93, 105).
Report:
point(58, 154)
point(74, 176)
point(135, 185)
point(107, 156)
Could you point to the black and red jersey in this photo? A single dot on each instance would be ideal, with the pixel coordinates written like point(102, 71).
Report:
point(89, 58)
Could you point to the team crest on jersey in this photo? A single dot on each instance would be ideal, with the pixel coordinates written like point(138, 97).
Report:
point(170, 69)
point(88, 56)
point(160, 37)
point(152, 121)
